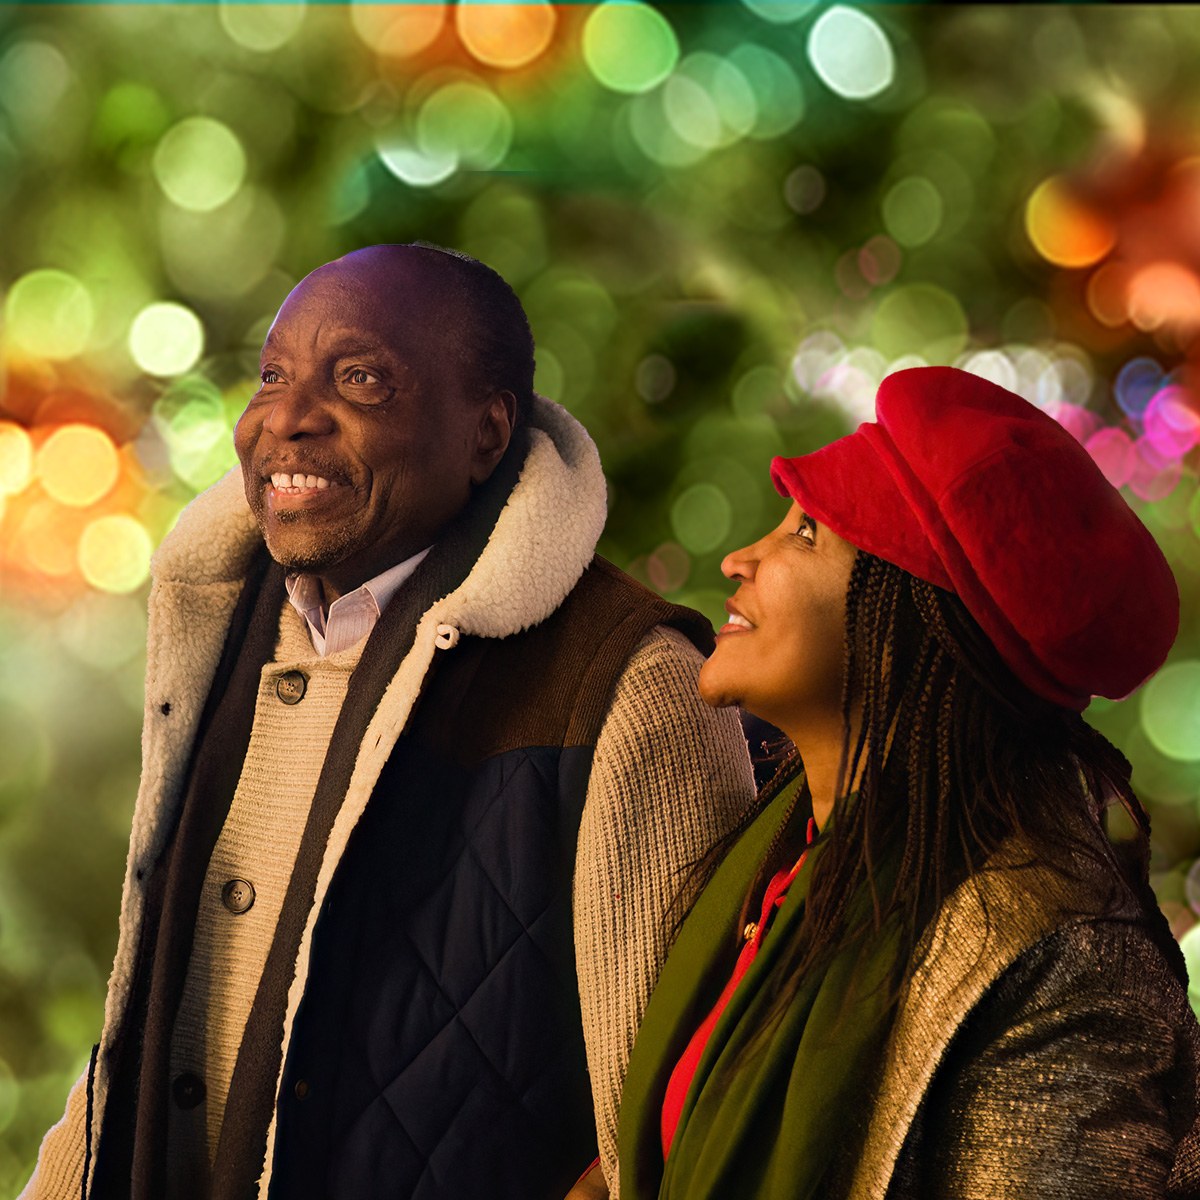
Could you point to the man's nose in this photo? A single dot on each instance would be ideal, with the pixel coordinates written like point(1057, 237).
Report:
point(299, 410)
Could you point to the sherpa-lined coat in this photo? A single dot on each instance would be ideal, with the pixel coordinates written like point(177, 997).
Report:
point(662, 775)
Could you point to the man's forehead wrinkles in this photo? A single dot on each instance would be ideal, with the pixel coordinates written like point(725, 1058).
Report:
point(331, 337)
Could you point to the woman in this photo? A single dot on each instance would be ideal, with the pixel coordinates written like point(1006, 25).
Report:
point(924, 970)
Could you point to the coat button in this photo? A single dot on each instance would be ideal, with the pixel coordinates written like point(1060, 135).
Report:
point(238, 895)
point(290, 687)
point(301, 1089)
point(188, 1090)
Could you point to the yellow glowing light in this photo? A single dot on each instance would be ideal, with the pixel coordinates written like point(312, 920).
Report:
point(1065, 231)
point(166, 339)
point(506, 35)
point(114, 553)
point(16, 459)
point(78, 465)
point(398, 30)
point(1164, 293)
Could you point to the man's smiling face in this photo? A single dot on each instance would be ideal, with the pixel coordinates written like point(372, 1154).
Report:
point(361, 443)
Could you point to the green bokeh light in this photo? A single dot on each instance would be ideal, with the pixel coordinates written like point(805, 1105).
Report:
point(193, 420)
point(920, 319)
point(130, 115)
point(467, 123)
point(261, 27)
point(199, 164)
point(701, 517)
point(34, 76)
point(778, 95)
point(655, 135)
point(691, 112)
point(851, 54)
point(1171, 711)
point(224, 253)
point(709, 102)
point(779, 12)
point(629, 46)
point(49, 314)
point(912, 211)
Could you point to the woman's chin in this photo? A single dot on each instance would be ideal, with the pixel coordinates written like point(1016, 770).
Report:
point(716, 690)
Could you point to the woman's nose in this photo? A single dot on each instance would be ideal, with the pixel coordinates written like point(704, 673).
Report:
point(740, 564)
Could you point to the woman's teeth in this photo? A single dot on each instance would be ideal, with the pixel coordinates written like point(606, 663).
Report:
point(284, 481)
point(740, 621)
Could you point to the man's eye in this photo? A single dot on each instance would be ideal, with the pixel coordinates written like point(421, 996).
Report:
point(362, 375)
point(270, 376)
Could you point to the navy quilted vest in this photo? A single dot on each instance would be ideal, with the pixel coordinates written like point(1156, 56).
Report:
point(438, 1051)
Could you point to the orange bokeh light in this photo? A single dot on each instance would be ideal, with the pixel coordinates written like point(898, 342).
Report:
point(78, 465)
point(47, 538)
point(1106, 294)
point(398, 30)
point(1164, 293)
point(505, 35)
point(1065, 231)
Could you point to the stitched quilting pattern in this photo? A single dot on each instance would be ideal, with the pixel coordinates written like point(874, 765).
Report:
point(441, 1024)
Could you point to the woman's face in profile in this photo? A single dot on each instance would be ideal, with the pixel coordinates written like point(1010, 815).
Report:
point(780, 655)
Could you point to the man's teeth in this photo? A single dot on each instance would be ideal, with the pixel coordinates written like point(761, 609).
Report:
point(282, 479)
point(740, 621)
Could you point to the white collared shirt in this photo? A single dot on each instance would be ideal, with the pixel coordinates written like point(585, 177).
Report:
point(352, 616)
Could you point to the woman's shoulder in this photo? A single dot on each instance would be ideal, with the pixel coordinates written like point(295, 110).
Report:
point(1029, 978)
point(1078, 1066)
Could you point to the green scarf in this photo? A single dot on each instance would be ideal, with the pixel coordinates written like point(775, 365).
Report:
point(773, 1126)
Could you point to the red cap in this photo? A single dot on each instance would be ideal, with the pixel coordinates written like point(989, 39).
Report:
point(963, 484)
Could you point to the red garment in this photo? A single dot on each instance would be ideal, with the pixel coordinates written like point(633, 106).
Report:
point(685, 1068)
point(971, 488)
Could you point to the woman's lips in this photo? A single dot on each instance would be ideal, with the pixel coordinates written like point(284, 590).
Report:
point(736, 623)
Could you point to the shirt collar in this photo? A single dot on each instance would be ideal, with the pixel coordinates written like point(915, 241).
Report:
point(307, 597)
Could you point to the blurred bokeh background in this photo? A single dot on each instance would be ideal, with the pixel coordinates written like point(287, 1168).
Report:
point(727, 222)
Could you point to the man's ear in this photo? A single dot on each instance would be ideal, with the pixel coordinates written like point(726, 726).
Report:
point(492, 434)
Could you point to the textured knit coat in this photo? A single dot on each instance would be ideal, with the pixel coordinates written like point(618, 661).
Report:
point(667, 777)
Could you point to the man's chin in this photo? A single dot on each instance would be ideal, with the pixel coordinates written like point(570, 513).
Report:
point(305, 555)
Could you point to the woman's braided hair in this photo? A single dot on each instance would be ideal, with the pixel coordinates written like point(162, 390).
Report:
point(954, 755)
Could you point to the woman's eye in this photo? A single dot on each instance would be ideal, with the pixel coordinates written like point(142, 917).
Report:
point(807, 530)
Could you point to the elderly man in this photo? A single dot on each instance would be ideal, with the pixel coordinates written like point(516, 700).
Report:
point(420, 778)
